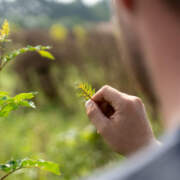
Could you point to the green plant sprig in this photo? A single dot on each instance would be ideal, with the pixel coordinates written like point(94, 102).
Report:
point(15, 165)
point(85, 91)
point(12, 55)
point(9, 104)
point(7, 57)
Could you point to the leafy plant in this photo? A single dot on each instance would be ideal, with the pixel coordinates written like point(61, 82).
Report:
point(9, 56)
point(9, 104)
point(15, 165)
point(85, 91)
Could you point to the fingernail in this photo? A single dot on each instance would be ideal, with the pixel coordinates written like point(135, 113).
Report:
point(89, 103)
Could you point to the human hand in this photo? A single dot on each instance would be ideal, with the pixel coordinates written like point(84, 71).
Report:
point(121, 119)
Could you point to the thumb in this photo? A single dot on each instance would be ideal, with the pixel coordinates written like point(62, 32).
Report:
point(96, 116)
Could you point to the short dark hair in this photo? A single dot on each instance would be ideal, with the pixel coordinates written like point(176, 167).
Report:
point(175, 4)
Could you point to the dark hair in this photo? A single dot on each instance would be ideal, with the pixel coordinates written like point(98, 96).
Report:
point(175, 4)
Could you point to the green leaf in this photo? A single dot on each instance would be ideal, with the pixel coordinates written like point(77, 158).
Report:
point(12, 55)
point(9, 104)
point(2, 93)
point(15, 165)
point(41, 164)
point(85, 90)
point(23, 96)
point(46, 54)
point(5, 168)
point(10, 166)
point(29, 104)
point(6, 109)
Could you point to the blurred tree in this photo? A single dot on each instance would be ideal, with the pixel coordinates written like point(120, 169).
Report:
point(102, 10)
point(45, 12)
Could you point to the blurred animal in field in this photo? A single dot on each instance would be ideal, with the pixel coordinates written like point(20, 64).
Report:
point(81, 49)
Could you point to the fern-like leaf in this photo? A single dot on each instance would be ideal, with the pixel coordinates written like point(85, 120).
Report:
point(85, 91)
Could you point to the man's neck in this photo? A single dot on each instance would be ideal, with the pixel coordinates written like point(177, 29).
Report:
point(160, 33)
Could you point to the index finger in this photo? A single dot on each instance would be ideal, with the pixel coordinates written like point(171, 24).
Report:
point(109, 94)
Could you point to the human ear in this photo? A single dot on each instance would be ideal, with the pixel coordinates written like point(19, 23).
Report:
point(128, 4)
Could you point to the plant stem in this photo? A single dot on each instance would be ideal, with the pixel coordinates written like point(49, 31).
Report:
point(87, 95)
point(8, 174)
point(2, 47)
point(3, 65)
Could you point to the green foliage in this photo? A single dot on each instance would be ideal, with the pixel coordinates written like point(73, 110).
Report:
point(9, 104)
point(52, 133)
point(55, 132)
point(15, 165)
point(85, 91)
point(58, 32)
point(46, 54)
point(6, 57)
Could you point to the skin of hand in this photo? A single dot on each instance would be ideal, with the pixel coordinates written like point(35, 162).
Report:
point(127, 129)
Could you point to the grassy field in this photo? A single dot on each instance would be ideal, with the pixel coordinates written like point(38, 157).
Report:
point(54, 133)
point(60, 131)
point(51, 134)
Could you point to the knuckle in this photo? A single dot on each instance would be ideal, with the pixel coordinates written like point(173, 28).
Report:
point(137, 101)
point(129, 102)
point(105, 88)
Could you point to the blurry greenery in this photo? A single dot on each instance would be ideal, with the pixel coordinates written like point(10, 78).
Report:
point(80, 33)
point(63, 135)
point(45, 134)
point(56, 132)
point(9, 104)
point(16, 165)
point(58, 32)
point(51, 133)
point(7, 57)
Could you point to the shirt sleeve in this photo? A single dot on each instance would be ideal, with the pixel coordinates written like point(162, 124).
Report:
point(151, 164)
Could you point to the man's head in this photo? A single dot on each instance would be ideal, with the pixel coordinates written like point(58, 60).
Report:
point(174, 4)
point(152, 31)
